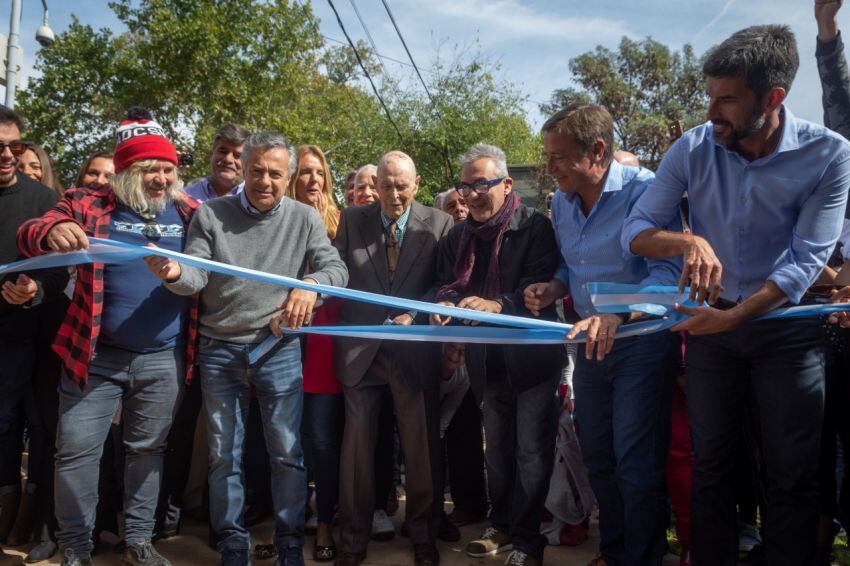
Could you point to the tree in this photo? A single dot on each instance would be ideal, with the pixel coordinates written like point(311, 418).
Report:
point(645, 86)
point(197, 64)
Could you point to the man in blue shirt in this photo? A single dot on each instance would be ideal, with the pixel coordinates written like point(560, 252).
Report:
point(623, 390)
point(225, 176)
point(767, 195)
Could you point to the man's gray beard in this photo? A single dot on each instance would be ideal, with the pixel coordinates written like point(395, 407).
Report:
point(755, 124)
point(155, 206)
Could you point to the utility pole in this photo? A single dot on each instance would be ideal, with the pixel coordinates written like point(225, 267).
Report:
point(12, 52)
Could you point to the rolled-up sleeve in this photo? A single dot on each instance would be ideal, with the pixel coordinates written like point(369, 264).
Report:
point(816, 231)
point(658, 206)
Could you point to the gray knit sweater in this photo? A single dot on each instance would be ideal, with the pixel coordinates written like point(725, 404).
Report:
point(235, 309)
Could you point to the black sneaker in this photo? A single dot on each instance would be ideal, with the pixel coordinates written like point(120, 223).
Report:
point(69, 558)
point(143, 554)
point(233, 557)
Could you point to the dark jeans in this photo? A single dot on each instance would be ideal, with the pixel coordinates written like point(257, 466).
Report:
point(178, 458)
point(623, 407)
point(520, 430)
point(465, 456)
point(324, 416)
point(15, 387)
point(836, 428)
point(148, 387)
point(779, 365)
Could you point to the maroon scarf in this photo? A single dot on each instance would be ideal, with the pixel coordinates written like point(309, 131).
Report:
point(490, 231)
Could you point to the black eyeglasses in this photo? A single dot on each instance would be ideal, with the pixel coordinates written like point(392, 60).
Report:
point(479, 187)
point(17, 147)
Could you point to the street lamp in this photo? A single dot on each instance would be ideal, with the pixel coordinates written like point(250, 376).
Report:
point(44, 35)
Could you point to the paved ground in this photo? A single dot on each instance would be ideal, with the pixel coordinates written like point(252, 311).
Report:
point(190, 548)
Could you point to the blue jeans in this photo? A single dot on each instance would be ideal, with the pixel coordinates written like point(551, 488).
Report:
point(623, 406)
point(15, 387)
point(520, 429)
point(226, 385)
point(324, 414)
point(773, 372)
point(148, 388)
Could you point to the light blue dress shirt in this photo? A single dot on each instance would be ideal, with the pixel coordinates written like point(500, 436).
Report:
point(773, 219)
point(202, 190)
point(400, 224)
point(590, 246)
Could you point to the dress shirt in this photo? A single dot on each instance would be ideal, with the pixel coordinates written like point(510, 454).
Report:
point(203, 190)
point(773, 219)
point(590, 245)
point(400, 224)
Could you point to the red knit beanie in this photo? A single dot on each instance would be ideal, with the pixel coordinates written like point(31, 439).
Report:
point(140, 138)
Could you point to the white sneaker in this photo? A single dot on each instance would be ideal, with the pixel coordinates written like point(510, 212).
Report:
point(382, 527)
point(748, 537)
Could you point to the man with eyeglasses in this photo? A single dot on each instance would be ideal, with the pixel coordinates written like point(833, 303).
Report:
point(21, 199)
point(623, 389)
point(485, 264)
point(125, 340)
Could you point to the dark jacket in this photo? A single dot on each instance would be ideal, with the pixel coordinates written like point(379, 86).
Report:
point(835, 81)
point(529, 254)
point(360, 240)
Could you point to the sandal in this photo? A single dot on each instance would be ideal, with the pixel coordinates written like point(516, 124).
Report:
point(265, 551)
point(324, 553)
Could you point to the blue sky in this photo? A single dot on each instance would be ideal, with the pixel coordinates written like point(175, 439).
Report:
point(532, 39)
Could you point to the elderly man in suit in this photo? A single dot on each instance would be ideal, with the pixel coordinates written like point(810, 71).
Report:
point(390, 247)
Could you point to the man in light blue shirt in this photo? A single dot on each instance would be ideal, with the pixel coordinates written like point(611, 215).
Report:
point(767, 195)
point(623, 390)
point(225, 176)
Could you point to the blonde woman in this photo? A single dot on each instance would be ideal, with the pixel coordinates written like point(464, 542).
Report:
point(312, 184)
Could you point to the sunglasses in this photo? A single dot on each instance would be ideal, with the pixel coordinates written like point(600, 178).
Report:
point(17, 147)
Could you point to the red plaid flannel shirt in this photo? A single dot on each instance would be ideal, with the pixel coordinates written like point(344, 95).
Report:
point(77, 337)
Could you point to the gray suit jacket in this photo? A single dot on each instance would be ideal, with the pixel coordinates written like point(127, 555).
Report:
point(361, 242)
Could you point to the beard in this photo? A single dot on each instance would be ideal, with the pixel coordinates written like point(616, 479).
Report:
point(754, 123)
point(154, 206)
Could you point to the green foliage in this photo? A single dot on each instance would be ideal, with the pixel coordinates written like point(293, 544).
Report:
point(198, 64)
point(645, 86)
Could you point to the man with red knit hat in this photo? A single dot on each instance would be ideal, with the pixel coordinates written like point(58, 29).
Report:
point(125, 340)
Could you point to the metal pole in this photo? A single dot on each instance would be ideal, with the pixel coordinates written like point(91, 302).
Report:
point(12, 51)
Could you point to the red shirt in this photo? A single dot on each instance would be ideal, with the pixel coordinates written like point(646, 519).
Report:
point(319, 375)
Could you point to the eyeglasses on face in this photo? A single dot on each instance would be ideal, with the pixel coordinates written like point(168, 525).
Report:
point(17, 147)
point(479, 187)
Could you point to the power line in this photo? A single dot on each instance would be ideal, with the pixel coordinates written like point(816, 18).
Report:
point(409, 56)
point(369, 36)
point(366, 72)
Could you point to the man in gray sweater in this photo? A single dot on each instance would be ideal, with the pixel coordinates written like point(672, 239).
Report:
point(262, 230)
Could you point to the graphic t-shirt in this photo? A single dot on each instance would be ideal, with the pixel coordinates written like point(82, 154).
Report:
point(139, 313)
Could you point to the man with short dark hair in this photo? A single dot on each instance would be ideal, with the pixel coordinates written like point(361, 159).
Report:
point(258, 229)
point(225, 176)
point(21, 199)
point(623, 388)
point(767, 194)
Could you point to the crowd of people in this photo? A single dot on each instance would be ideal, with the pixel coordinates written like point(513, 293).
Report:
point(735, 423)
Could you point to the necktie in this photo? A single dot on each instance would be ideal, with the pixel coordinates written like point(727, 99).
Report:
point(392, 250)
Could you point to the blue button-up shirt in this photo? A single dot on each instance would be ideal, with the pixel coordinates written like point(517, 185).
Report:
point(400, 224)
point(590, 245)
point(202, 190)
point(773, 219)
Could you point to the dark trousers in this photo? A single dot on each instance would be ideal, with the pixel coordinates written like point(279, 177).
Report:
point(836, 428)
point(417, 413)
point(15, 389)
point(623, 408)
point(178, 458)
point(520, 429)
point(465, 455)
point(322, 433)
point(385, 450)
point(779, 364)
